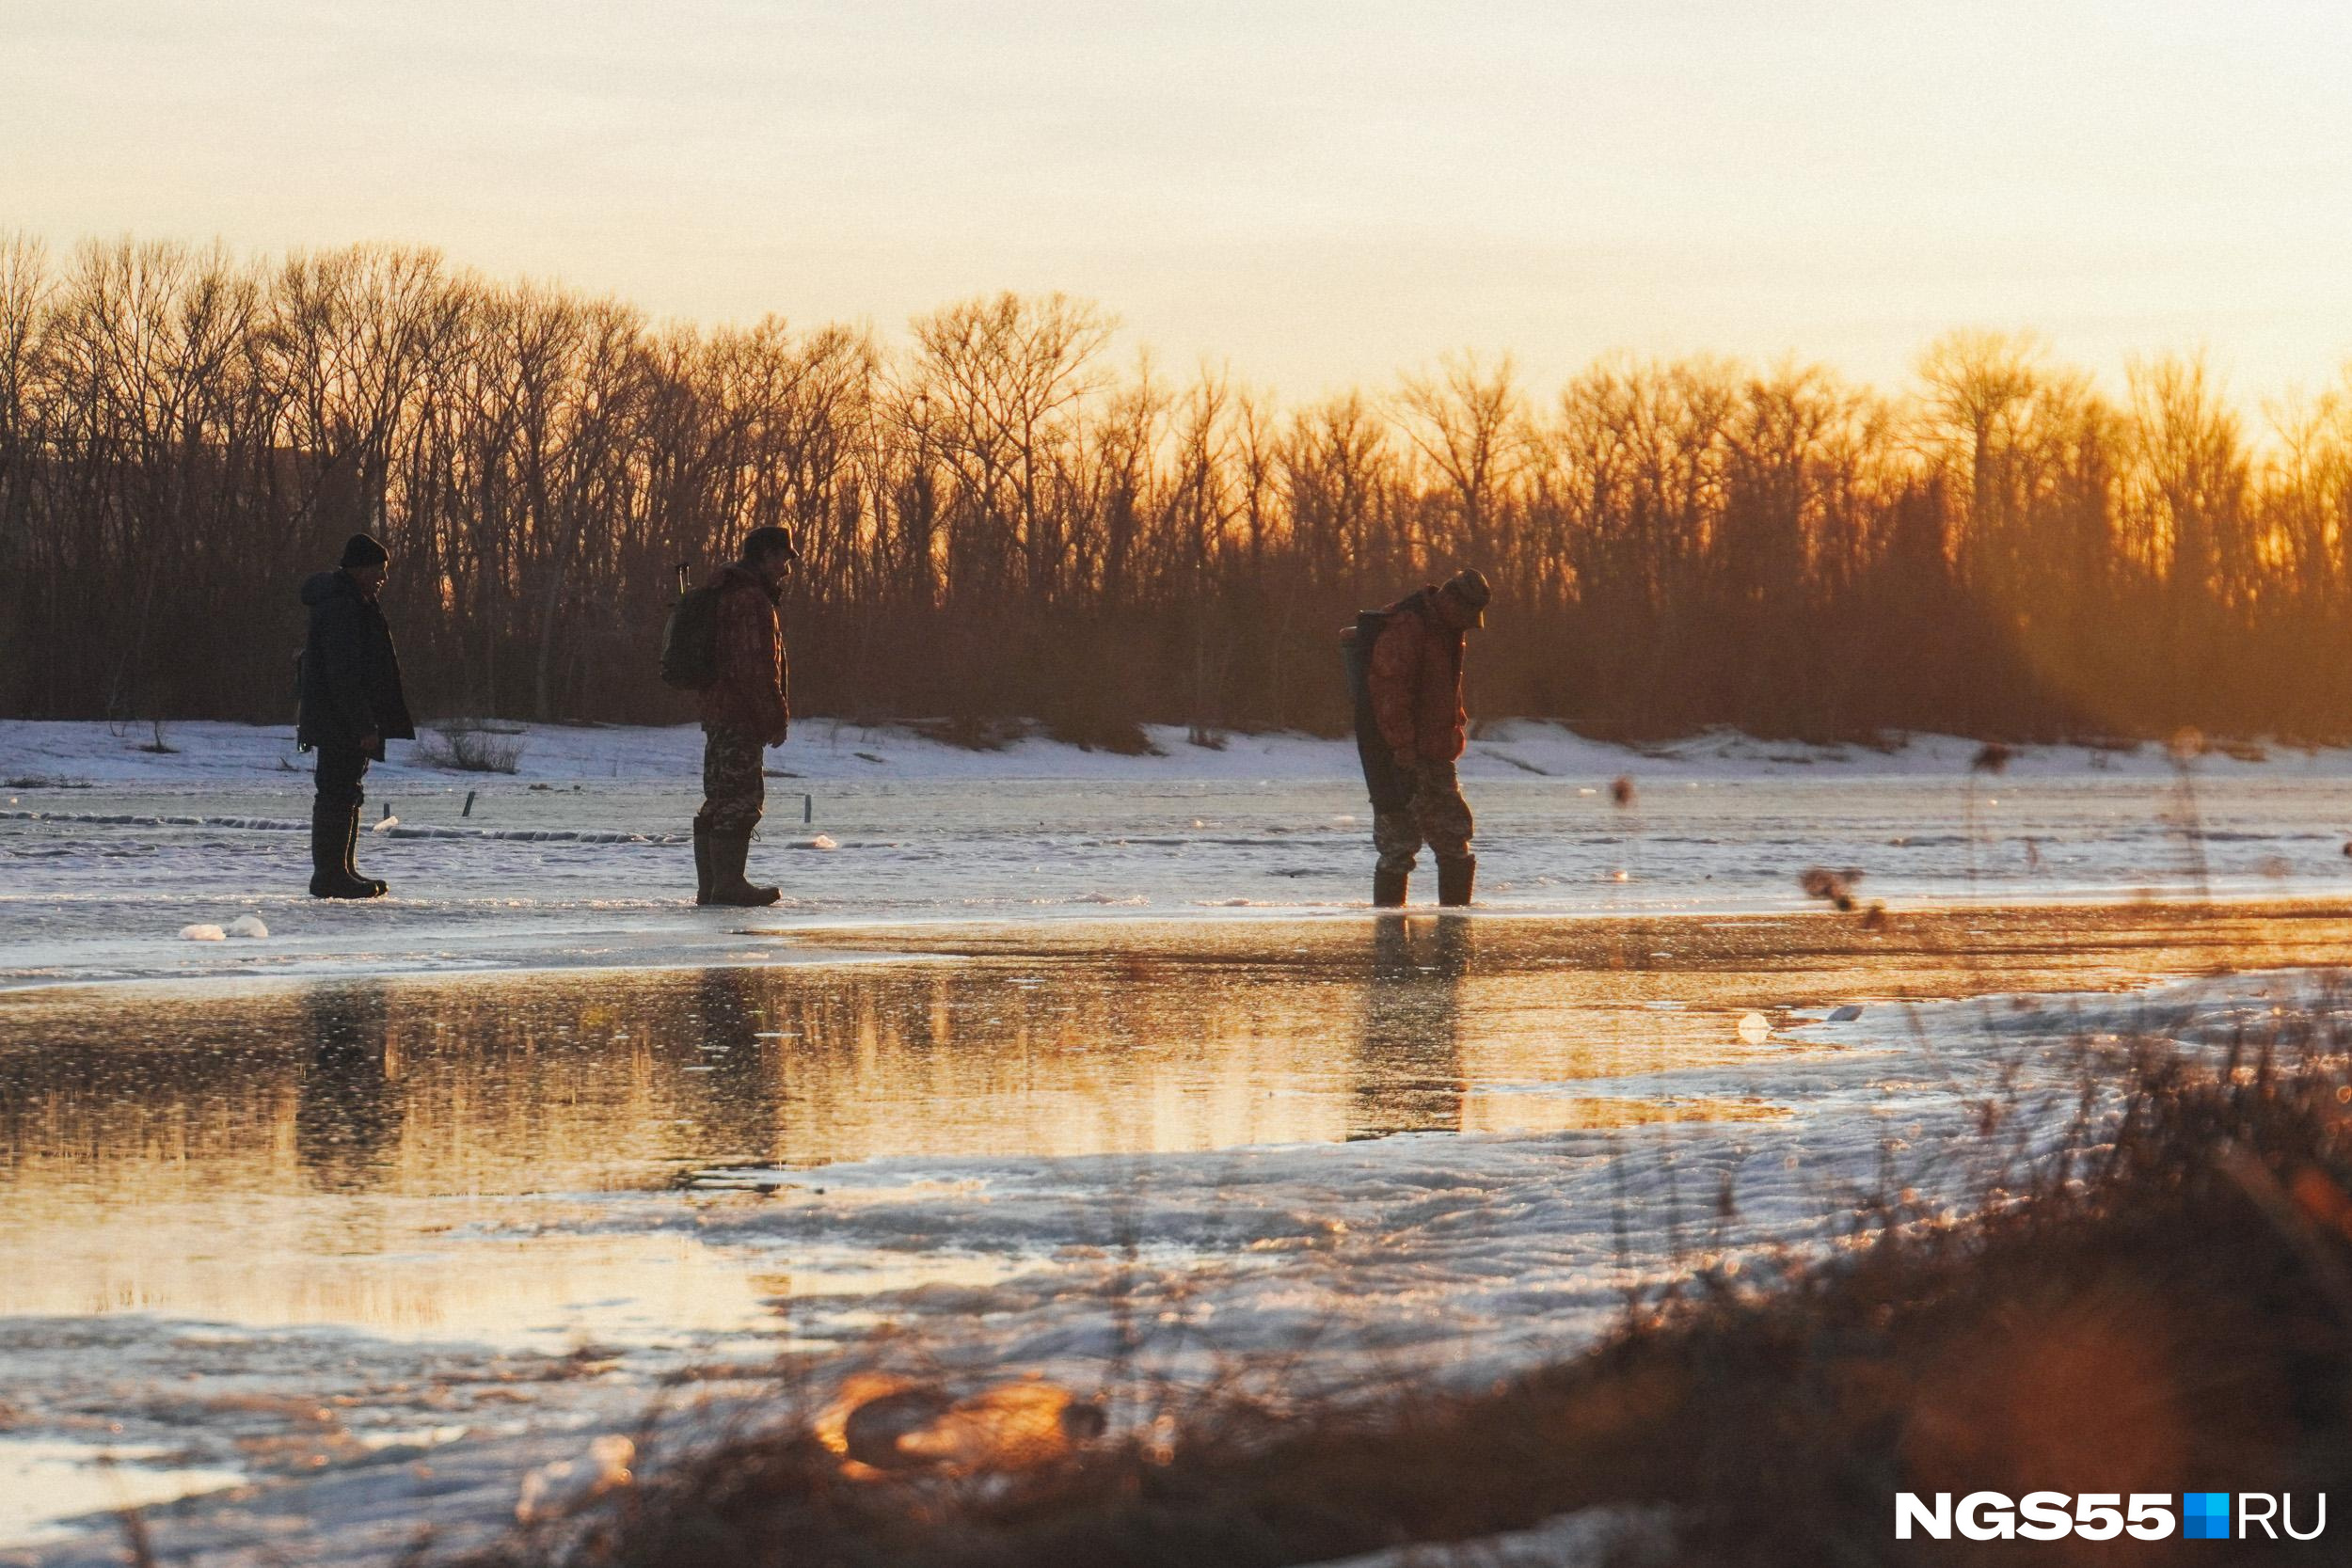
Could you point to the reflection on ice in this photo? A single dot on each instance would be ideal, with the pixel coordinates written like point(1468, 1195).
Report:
point(422, 1159)
point(43, 1480)
point(1409, 1075)
point(399, 1269)
point(441, 1160)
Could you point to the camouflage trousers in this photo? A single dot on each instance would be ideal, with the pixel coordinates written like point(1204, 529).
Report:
point(735, 790)
point(1437, 816)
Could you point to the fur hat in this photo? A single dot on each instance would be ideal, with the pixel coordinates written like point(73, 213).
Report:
point(1469, 586)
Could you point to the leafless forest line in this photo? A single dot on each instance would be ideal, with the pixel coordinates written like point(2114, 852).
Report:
point(1003, 516)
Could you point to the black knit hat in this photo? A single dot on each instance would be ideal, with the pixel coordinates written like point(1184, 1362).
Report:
point(770, 541)
point(361, 549)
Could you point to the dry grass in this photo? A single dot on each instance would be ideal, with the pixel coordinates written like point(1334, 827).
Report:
point(970, 733)
point(466, 745)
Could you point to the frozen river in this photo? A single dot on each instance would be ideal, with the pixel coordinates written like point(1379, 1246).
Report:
point(1107, 1077)
point(109, 853)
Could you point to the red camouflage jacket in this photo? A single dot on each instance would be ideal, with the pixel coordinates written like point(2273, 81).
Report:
point(754, 688)
point(1416, 680)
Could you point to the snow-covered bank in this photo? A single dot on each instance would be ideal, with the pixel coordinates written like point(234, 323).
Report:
point(108, 851)
point(829, 750)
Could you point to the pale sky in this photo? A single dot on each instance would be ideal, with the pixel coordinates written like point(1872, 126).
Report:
point(1316, 192)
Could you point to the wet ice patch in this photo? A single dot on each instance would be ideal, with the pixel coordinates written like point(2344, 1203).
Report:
point(44, 1482)
point(1587, 1537)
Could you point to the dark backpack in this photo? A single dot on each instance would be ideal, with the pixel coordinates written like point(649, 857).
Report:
point(690, 639)
point(1391, 790)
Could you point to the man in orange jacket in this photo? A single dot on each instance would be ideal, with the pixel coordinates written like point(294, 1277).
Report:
point(1415, 677)
point(745, 709)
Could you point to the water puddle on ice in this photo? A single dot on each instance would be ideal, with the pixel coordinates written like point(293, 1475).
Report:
point(469, 1159)
point(456, 1160)
point(445, 1159)
point(43, 1480)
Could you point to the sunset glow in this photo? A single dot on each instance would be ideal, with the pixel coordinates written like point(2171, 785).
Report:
point(1319, 194)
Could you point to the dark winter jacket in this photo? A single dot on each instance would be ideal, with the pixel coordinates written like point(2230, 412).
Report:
point(1416, 680)
point(350, 672)
point(754, 685)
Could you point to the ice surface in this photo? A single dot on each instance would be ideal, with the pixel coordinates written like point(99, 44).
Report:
point(579, 858)
point(1052, 1060)
point(1365, 1149)
point(44, 1480)
point(1590, 1538)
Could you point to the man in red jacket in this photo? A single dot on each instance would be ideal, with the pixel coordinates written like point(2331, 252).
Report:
point(1415, 676)
point(745, 709)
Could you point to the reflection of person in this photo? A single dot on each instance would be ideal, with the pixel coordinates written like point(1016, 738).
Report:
point(347, 1112)
point(1415, 680)
point(350, 702)
point(738, 1099)
point(1408, 1060)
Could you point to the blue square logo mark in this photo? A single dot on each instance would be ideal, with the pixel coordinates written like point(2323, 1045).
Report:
point(2204, 1516)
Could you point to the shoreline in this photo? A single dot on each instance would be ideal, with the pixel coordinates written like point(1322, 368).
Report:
point(2236, 934)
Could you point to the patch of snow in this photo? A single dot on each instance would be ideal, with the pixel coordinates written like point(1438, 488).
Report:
point(1589, 1537)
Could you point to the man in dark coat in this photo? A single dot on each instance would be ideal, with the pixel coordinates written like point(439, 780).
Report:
point(745, 709)
point(351, 704)
point(1415, 677)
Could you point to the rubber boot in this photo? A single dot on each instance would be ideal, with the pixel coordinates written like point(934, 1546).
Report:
point(728, 851)
point(351, 848)
point(1388, 888)
point(330, 838)
point(702, 862)
point(1455, 878)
